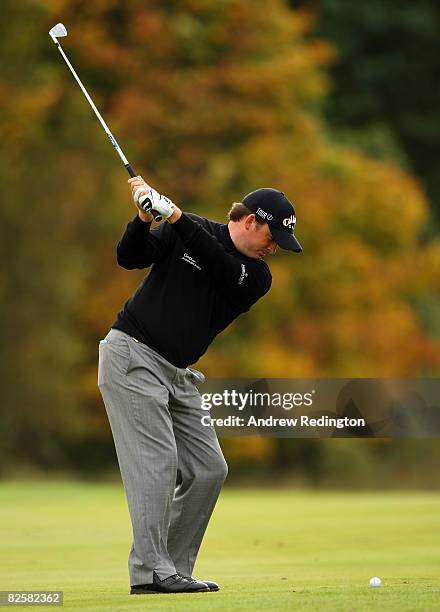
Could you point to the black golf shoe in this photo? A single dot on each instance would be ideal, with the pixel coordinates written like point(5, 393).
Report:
point(172, 584)
point(212, 586)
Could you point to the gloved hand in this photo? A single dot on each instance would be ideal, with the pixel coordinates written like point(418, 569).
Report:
point(149, 199)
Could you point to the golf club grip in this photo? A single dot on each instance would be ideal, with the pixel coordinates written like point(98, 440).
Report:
point(133, 174)
point(130, 171)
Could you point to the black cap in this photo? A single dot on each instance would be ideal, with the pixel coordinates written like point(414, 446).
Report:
point(272, 207)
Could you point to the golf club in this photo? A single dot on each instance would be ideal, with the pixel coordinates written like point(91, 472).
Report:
point(58, 31)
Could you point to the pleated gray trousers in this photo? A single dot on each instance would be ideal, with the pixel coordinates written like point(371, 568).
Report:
point(171, 464)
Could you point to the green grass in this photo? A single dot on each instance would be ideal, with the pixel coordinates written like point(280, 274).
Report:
point(269, 549)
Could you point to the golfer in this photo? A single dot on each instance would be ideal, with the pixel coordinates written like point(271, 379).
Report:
point(203, 275)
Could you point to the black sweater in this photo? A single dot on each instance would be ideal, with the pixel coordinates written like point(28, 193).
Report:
point(199, 282)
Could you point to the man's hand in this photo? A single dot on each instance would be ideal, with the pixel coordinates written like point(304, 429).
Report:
point(151, 200)
point(146, 198)
point(135, 183)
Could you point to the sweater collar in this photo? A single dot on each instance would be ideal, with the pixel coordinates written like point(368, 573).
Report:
point(227, 240)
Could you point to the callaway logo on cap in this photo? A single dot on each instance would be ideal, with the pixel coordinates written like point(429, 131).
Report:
point(272, 207)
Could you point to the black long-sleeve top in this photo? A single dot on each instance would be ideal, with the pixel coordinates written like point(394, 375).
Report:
point(198, 284)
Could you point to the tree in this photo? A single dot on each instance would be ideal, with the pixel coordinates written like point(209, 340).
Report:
point(383, 99)
point(213, 100)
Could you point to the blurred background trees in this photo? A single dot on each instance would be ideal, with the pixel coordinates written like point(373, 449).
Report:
point(384, 99)
point(211, 100)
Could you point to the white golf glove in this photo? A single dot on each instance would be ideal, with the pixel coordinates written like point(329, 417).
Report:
point(149, 199)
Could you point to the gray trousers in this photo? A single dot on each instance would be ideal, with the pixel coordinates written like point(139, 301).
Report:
point(171, 464)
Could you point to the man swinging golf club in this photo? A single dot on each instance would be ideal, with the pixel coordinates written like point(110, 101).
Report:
point(203, 275)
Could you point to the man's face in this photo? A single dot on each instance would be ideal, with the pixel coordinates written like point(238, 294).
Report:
point(258, 241)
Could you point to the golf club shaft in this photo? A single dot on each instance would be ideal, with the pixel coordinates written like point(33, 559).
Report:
point(112, 139)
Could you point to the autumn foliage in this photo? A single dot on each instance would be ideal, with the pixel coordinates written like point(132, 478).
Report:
point(210, 100)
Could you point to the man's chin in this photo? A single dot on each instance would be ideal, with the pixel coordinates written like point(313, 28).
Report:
point(251, 254)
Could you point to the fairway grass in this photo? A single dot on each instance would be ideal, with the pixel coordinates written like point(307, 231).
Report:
point(268, 549)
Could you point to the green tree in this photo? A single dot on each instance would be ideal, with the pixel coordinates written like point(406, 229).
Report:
point(383, 99)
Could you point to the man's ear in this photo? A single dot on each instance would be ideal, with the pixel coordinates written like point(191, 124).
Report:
point(249, 221)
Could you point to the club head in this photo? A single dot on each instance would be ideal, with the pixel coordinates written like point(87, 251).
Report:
point(57, 31)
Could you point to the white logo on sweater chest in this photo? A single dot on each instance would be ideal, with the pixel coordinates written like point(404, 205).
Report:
point(191, 261)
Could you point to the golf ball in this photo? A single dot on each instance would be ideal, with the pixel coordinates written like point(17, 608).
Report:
point(375, 582)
